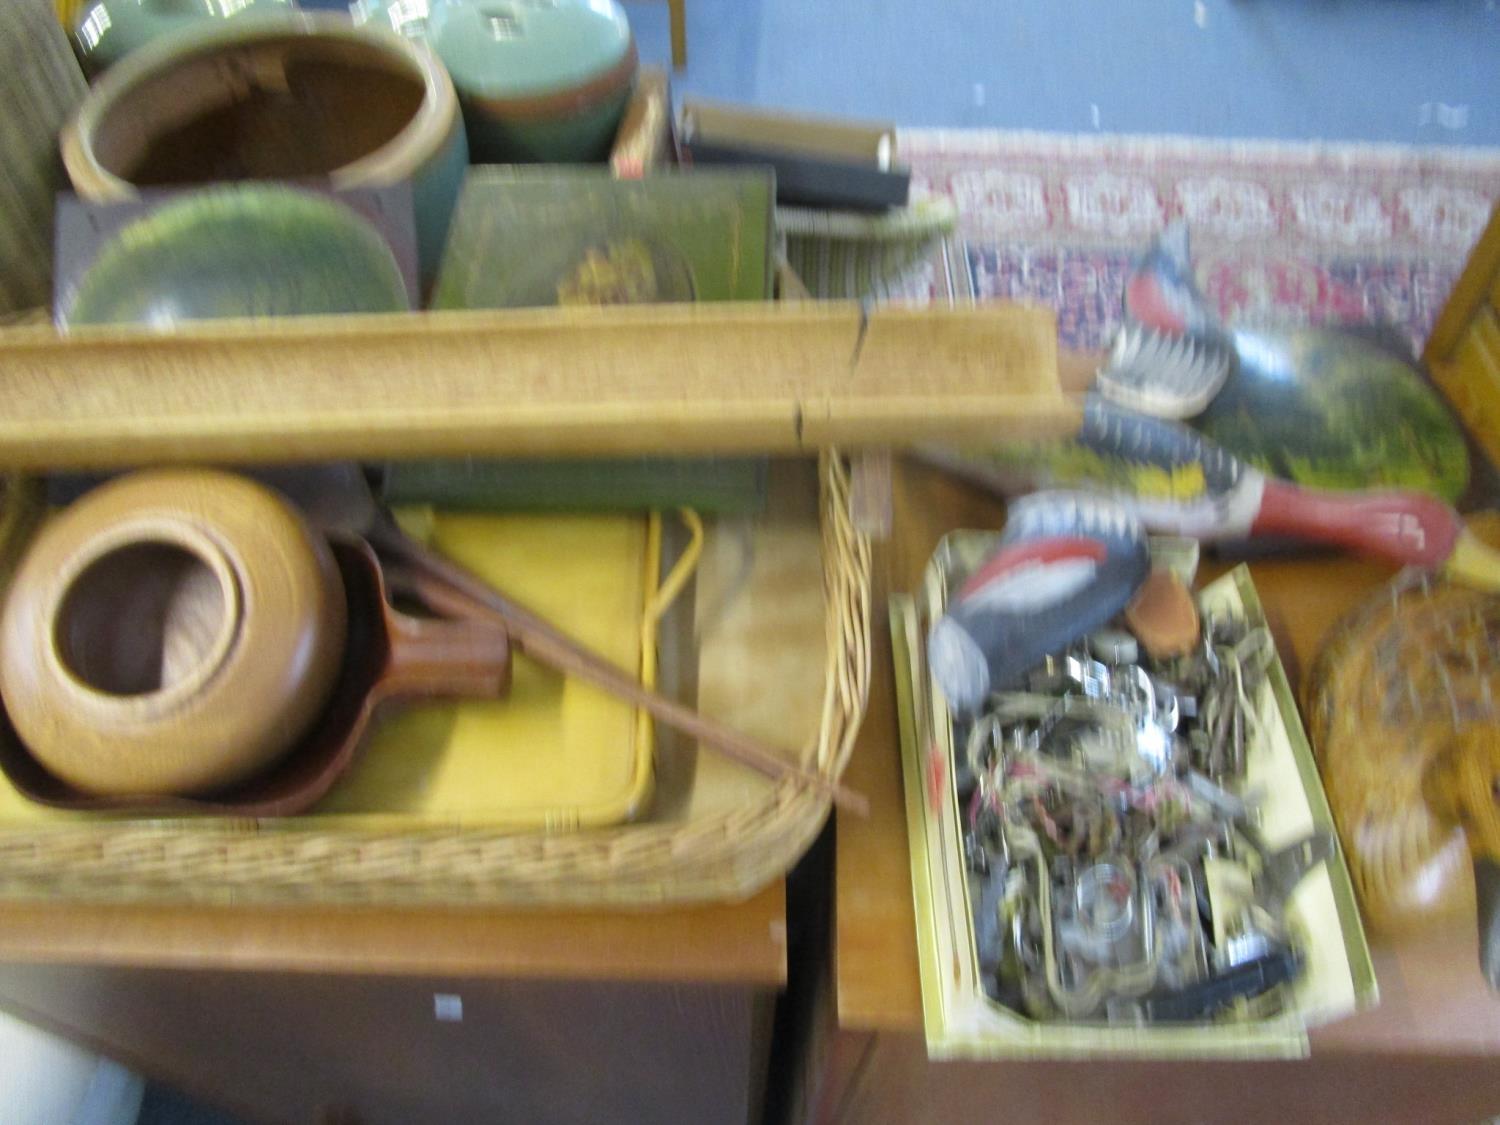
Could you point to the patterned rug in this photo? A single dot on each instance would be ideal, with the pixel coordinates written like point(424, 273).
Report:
point(1281, 233)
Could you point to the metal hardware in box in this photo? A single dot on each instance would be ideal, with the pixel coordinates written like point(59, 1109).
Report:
point(1043, 930)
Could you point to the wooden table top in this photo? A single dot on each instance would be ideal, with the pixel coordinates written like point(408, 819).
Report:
point(735, 943)
point(1433, 998)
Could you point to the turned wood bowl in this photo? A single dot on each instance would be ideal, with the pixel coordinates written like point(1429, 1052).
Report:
point(162, 608)
point(352, 655)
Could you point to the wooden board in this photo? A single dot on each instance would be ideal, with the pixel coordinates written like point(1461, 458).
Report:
point(896, 1085)
point(547, 381)
point(726, 943)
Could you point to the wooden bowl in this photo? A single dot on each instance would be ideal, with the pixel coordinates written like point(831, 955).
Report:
point(171, 632)
point(388, 655)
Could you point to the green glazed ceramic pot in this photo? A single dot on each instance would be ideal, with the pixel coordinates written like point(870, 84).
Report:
point(288, 97)
point(539, 80)
point(242, 250)
point(108, 30)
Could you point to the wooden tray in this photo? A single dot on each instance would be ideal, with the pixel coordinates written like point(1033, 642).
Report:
point(781, 377)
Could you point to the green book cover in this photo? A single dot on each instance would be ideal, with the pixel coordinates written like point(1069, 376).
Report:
point(710, 485)
point(547, 236)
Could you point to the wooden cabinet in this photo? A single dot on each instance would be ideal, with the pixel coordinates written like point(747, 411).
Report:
point(388, 1017)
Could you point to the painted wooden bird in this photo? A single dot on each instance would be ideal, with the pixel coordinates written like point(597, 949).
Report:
point(1328, 407)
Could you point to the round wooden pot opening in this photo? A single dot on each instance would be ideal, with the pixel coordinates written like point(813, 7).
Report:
point(148, 622)
point(172, 632)
point(270, 106)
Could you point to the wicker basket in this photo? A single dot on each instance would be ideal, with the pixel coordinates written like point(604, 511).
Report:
point(724, 835)
point(843, 255)
point(40, 83)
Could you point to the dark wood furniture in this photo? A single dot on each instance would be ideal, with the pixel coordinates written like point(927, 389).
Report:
point(309, 1014)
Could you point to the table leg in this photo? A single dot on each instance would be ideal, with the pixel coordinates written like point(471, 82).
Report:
point(679, 33)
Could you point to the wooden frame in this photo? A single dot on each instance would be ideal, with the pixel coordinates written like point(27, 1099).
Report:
point(1463, 352)
point(677, 9)
point(667, 379)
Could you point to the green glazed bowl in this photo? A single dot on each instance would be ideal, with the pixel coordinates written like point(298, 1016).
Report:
point(108, 30)
point(240, 251)
point(288, 97)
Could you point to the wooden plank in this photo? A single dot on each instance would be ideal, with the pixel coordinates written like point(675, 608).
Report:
point(778, 378)
point(870, 493)
point(898, 1085)
point(740, 943)
point(1470, 377)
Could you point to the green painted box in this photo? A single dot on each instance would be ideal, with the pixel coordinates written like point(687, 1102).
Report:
point(527, 236)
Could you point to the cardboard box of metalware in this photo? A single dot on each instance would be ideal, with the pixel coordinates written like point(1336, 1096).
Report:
point(960, 1020)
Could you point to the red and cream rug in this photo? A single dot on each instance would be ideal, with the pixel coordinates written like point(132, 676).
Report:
point(1281, 233)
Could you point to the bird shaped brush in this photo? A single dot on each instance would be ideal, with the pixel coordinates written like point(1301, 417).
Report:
point(1329, 407)
point(1171, 357)
point(1162, 293)
point(1065, 564)
point(1177, 482)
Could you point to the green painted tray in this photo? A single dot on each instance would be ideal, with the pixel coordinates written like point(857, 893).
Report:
point(534, 237)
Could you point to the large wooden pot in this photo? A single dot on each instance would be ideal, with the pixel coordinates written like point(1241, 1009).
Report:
point(173, 631)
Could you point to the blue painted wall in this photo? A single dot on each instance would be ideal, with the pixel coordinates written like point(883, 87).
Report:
point(1375, 70)
point(1415, 71)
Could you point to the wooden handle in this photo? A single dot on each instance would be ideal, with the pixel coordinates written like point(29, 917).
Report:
point(451, 589)
point(445, 659)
